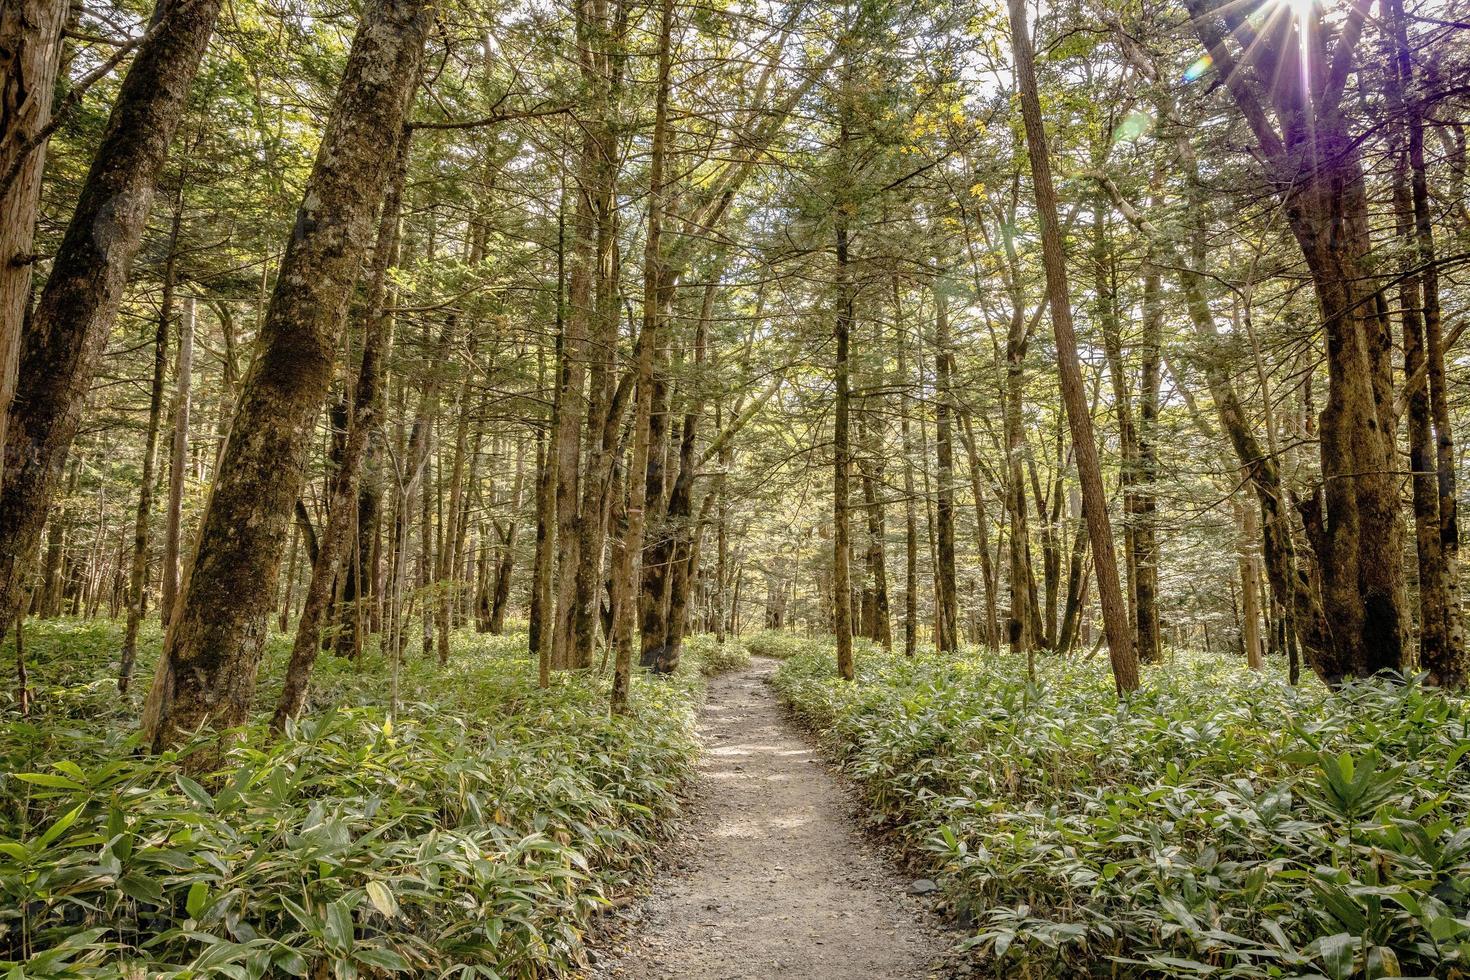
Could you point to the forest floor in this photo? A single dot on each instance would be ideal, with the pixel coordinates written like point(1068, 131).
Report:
point(771, 875)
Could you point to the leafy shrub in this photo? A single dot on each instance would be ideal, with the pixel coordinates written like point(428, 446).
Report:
point(715, 658)
point(782, 645)
point(1220, 823)
point(478, 831)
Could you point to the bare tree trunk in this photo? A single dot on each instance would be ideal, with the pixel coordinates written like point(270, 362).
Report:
point(842, 461)
point(1145, 541)
point(178, 460)
point(629, 572)
point(947, 617)
point(66, 334)
point(1076, 578)
point(138, 583)
point(30, 52)
point(361, 428)
point(1316, 171)
point(880, 628)
point(683, 525)
point(500, 599)
point(1433, 577)
point(540, 614)
point(991, 637)
point(449, 551)
point(207, 674)
point(1249, 534)
point(1442, 646)
point(1105, 296)
point(910, 511)
point(1094, 499)
point(658, 543)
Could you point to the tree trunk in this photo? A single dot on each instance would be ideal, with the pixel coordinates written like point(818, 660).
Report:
point(1145, 541)
point(1250, 577)
point(1315, 169)
point(138, 582)
point(640, 466)
point(841, 462)
point(991, 637)
point(449, 552)
point(64, 340)
point(30, 52)
point(1094, 499)
point(539, 627)
point(1104, 292)
point(361, 427)
point(910, 511)
point(207, 674)
point(1442, 650)
point(947, 598)
point(178, 460)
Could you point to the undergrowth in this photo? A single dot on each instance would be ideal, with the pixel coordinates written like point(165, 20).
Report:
point(474, 836)
point(777, 644)
point(1221, 823)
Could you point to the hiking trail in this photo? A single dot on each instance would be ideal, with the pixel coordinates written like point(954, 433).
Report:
point(770, 875)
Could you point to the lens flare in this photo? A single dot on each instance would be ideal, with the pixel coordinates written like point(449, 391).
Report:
point(1194, 71)
point(1134, 125)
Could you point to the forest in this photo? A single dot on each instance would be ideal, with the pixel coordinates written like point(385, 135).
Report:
point(656, 489)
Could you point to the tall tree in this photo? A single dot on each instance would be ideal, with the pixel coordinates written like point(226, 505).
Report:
point(1121, 650)
point(65, 336)
point(207, 673)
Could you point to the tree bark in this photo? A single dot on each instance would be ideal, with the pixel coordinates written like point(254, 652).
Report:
point(1145, 540)
point(138, 581)
point(361, 428)
point(30, 53)
point(629, 571)
point(1314, 167)
point(207, 675)
point(178, 461)
point(841, 461)
point(63, 342)
point(910, 511)
point(1094, 500)
point(947, 616)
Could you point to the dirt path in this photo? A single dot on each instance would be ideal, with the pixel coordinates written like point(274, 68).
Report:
point(771, 876)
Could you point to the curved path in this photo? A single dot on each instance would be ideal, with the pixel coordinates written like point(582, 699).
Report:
point(771, 876)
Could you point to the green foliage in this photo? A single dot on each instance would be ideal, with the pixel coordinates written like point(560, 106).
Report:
point(778, 644)
point(716, 658)
point(478, 832)
point(1221, 823)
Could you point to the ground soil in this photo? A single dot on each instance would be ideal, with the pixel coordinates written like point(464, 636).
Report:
point(771, 875)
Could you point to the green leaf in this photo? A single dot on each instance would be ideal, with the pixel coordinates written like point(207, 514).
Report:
point(48, 780)
point(1382, 962)
point(198, 896)
point(339, 931)
point(382, 898)
point(60, 826)
point(196, 793)
point(1337, 955)
point(382, 958)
